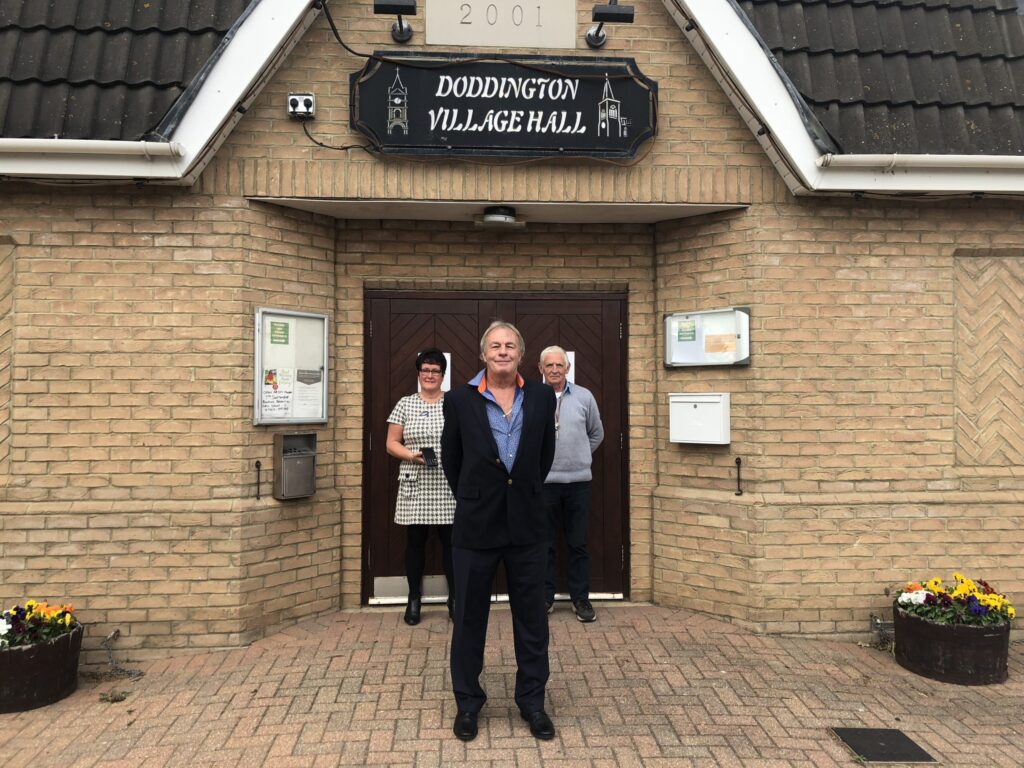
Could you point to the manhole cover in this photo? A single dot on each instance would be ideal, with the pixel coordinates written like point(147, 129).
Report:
point(882, 745)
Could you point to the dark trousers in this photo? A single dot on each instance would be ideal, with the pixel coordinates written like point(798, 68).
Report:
point(568, 506)
point(416, 556)
point(474, 575)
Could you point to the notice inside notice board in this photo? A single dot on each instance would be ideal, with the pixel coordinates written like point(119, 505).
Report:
point(709, 337)
point(291, 367)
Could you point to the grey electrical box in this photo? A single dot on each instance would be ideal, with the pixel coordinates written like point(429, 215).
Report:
point(294, 465)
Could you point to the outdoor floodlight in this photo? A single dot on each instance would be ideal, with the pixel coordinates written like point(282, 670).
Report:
point(613, 13)
point(401, 32)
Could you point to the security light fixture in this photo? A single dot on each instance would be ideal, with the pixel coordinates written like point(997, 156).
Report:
point(499, 217)
point(301, 106)
point(401, 32)
point(613, 13)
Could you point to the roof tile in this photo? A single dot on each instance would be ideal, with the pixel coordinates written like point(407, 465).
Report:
point(102, 69)
point(938, 76)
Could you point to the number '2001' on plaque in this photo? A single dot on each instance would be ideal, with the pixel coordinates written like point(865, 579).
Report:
point(502, 23)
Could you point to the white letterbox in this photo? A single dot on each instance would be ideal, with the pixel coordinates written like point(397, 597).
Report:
point(699, 418)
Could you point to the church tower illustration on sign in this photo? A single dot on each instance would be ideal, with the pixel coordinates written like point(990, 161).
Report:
point(609, 114)
point(398, 106)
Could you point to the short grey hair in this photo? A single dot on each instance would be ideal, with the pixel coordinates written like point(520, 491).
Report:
point(502, 324)
point(554, 350)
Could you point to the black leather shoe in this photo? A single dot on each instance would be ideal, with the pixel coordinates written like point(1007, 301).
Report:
point(412, 612)
point(540, 724)
point(465, 726)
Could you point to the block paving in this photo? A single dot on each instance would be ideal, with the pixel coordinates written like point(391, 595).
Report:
point(642, 686)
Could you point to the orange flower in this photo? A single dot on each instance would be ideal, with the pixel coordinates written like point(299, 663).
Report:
point(914, 586)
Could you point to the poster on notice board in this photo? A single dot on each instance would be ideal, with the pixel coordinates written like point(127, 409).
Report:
point(291, 367)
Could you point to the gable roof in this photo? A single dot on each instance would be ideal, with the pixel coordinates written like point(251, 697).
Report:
point(921, 96)
point(865, 96)
point(907, 76)
point(110, 70)
point(124, 89)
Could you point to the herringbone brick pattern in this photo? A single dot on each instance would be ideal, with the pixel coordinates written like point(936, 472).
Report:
point(989, 361)
point(643, 686)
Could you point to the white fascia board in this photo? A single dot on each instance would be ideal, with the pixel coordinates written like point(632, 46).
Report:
point(262, 40)
point(737, 60)
point(260, 46)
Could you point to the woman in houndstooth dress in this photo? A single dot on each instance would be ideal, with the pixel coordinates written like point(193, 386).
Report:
point(424, 498)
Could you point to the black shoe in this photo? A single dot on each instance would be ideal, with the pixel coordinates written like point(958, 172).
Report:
point(540, 724)
point(465, 726)
point(412, 612)
point(451, 610)
point(584, 610)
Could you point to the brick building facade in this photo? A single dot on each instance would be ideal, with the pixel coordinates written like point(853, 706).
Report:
point(878, 422)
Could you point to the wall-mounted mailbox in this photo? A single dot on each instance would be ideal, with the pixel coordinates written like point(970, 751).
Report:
point(294, 465)
point(699, 418)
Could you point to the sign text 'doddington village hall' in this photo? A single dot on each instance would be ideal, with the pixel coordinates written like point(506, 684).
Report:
point(522, 106)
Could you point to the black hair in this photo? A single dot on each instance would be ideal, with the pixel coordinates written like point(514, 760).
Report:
point(432, 355)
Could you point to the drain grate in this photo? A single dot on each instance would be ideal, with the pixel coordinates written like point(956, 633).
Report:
point(882, 745)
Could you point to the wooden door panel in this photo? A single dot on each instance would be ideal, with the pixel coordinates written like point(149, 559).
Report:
point(582, 327)
point(402, 325)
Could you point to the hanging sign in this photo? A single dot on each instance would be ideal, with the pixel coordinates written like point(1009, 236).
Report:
point(522, 106)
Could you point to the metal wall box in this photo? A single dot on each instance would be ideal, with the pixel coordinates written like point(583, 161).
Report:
point(699, 418)
point(294, 465)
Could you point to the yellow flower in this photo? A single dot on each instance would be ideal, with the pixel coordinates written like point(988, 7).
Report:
point(935, 585)
point(1010, 612)
point(958, 576)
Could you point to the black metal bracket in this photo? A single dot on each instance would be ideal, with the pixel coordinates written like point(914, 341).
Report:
point(739, 487)
point(259, 466)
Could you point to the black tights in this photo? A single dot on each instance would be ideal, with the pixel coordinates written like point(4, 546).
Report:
point(416, 556)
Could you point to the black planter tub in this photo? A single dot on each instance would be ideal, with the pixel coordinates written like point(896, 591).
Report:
point(951, 653)
point(33, 676)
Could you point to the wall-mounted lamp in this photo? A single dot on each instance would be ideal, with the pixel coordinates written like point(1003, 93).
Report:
point(401, 32)
point(613, 13)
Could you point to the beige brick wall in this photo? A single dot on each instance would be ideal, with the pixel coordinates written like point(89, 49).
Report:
point(131, 482)
point(703, 151)
point(844, 420)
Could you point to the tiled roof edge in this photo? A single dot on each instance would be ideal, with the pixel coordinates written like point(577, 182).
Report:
point(93, 81)
point(821, 138)
point(112, 30)
point(901, 52)
point(167, 125)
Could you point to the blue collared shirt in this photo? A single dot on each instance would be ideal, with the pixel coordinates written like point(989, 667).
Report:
point(506, 431)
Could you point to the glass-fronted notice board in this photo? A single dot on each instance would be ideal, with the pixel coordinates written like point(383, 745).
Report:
point(709, 337)
point(291, 367)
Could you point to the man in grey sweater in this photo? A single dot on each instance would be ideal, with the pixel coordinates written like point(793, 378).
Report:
point(578, 433)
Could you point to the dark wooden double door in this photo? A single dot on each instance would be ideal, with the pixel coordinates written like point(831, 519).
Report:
point(400, 325)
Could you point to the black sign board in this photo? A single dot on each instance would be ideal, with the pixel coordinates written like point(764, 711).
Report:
point(521, 106)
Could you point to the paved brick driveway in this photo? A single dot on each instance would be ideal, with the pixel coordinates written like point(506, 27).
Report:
point(643, 686)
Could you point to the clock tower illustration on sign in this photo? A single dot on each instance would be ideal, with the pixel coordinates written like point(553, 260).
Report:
point(398, 106)
point(609, 115)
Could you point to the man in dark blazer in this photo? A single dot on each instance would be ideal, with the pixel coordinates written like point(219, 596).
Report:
point(497, 447)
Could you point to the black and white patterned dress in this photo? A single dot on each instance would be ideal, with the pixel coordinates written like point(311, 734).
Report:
point(424, 497)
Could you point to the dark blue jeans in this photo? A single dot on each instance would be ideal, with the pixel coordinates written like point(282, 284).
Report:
point(568, 507)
